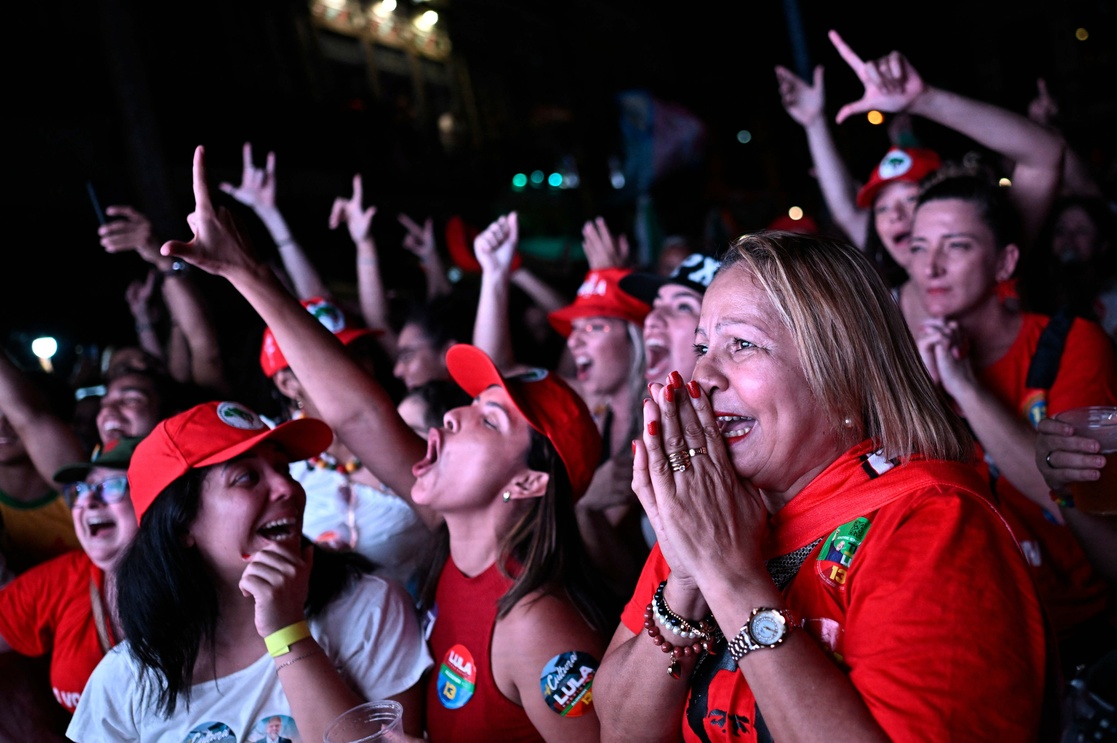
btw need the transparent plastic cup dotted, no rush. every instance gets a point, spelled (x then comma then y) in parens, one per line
(1098, 422)
(380, 721)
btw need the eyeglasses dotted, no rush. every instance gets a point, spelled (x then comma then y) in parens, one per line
(112, 490)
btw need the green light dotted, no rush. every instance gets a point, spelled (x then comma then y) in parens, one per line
(554, 180)
(519, 180)
(537, 177)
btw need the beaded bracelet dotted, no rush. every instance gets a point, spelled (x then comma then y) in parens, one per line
(686, 629)
(1063, 500)
(677, 652)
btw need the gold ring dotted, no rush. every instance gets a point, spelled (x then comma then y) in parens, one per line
(679, 460)
(695, 452)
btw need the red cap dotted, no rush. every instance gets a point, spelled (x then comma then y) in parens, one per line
(600, 295)
(329, 314)
(910, 164)
(549, 404)
(211, 433)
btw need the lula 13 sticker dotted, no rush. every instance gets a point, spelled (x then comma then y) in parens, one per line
(457, 677)
(566, 682)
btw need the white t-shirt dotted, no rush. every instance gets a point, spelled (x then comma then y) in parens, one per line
(389, 532)
(371, 634)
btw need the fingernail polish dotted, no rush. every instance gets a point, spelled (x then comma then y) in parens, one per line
(634, 446)
(669, 393)
(244, 555)
(653, 428)
(676, 380)
(693, 389)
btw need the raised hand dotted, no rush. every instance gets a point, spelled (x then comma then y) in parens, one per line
(495, 247)
(139, 295)
(351, 212)
(419, 239)
(891, 83)
(1043, 109)
(257, 185)
(804, 102)
(217, 246)
(601, 248)
(132, 231)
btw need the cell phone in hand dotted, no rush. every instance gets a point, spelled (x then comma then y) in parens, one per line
(101, 218)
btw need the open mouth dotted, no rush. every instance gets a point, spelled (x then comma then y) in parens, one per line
(734, 426)
(657, 359)
(99, 524)
(278, 530)
(582, 365)
(434, 443)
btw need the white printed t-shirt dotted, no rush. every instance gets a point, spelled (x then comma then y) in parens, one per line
(370, 632)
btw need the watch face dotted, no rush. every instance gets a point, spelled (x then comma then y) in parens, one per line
(767, 627)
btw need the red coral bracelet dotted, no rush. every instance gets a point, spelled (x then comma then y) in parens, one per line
(677, 652)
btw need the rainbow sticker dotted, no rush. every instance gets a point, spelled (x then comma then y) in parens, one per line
(457, 677)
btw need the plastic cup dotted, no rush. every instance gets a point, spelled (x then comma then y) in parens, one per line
(373, 721)
(1098, 422)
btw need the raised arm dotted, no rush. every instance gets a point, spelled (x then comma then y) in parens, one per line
(1077, 178)
(356, 407)
(50, 441)
(198, 357)
(806, 104)
(257, 190)
(892, 85)
(495, 248)
(370, 284)
(420, 241)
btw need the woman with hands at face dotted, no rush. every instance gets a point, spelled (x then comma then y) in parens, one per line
(230, 615)
(814, 508)
(979, 349)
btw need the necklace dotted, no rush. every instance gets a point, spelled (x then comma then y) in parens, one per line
(328, 462)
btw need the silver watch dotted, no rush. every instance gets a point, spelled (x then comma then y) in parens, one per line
(765, 628)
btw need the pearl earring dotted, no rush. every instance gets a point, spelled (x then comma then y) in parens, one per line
(507, 496)
(848, 422)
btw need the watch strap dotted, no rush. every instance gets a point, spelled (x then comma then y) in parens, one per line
(744, 643)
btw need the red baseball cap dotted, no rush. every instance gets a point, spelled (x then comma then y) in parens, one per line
(329, 314)
(910, 164)
(549, 404)
(211, 433)
(600, 295)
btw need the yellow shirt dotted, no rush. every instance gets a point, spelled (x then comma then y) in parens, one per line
(35, 531)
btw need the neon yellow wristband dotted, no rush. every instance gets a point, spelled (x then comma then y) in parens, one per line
(280, 642)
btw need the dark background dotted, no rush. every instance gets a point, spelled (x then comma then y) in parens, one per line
(119, 92)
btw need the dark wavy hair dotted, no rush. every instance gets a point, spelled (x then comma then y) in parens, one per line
(166, 599)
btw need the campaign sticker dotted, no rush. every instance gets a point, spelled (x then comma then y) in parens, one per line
(210, 732)
(836, 554)
(566, 683)
(457, 677)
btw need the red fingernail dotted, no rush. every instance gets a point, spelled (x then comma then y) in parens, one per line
(647, 400)
(669, 393)
(693, 389)
(650, 389)
(244, 555)
(676, 380)
(653, 428)
(634, 446)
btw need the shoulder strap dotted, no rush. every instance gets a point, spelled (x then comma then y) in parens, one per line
(1045, 361)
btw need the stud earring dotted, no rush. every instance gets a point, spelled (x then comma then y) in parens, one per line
(507, 496)
(848, 422)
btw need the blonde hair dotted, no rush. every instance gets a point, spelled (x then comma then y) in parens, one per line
(858, 356)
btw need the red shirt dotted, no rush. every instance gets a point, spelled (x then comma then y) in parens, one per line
(930, 608)
(48, 609)
(464, 704)
(1068, 584)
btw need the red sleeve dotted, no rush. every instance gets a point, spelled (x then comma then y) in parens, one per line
(1087, 370)
(655, 571)
(27, 606)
